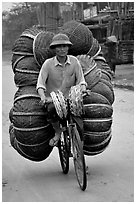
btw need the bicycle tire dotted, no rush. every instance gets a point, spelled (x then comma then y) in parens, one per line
(79, 159)
(63, 147)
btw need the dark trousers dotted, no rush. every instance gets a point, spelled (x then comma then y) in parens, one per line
(53, 117)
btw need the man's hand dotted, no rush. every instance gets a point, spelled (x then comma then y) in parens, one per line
(42, 101)
(48, 100)
(83, 88)
(45, 100)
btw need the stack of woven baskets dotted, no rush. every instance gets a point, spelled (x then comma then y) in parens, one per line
(80, 36)
(29, 130)
(97, 104)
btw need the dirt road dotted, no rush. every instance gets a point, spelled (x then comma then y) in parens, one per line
(110, 176)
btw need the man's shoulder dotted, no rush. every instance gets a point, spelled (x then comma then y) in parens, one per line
(73, 58)
(48, 61)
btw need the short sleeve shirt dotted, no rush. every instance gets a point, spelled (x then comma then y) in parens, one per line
(55, 76)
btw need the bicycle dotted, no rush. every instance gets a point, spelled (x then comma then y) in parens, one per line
(70, 140)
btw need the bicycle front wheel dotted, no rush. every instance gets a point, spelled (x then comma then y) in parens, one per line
(63, 147)
(79, 159)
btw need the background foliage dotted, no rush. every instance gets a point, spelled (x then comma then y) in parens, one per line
(23, 15)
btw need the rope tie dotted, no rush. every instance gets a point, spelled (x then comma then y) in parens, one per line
(23, 53)
(16, 62)
(27, 71)
(28, 114)
(31, 129)
(26, 96)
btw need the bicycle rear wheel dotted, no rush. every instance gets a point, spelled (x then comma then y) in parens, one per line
(79, 159)
(63, 147)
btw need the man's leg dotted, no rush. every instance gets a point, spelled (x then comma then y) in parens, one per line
(53, 119)
(55, 139)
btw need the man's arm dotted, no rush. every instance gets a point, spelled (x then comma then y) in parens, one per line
(41, 93)
(41, 83)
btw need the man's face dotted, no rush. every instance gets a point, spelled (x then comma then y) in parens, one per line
(62, 50)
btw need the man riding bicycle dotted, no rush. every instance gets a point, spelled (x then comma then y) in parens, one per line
(60, 73)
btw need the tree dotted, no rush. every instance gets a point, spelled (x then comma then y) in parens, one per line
(23, 15)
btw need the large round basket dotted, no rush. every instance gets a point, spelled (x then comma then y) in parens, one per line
(103, 89)
(96, 143)
(31, 32)
(91, 72)
(80, 36)
(95, 98)
(23, 45)
(26, 71)
(106, 70)
(97, 121)
(95, 49)
(41, 47)
(98, 111)
(31, 130)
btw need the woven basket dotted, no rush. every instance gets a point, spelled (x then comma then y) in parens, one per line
(108, 83)
(11, 115)
(41, 47)
(23, 45)
(80, 36)
(31, 129)
(91, 72)
(32, 152)
(95, 49)
(106, 75)
(31, 32)
(97, 111)
(26, 105)
(97, 120)
(15, 59)
(26, 71)
(95, 98)
(87, 63)
(96, 143)
(93, 77)
(106, 70)
(104, 90)
(97, 125)
(93, 138)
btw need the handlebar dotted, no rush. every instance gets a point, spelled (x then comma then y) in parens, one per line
(50, 99)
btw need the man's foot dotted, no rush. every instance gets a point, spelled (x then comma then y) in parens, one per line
(54, 141)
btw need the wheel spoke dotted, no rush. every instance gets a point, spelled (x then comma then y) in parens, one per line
(79, 161)
(63, 152)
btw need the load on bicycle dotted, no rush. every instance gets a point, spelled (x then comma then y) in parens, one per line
(30, 131)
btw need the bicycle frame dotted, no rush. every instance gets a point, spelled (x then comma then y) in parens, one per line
(72, 139)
